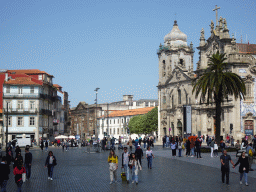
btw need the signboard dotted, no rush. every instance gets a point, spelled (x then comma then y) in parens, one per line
(248, 132)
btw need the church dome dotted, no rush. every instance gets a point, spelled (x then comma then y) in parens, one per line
(176, 37)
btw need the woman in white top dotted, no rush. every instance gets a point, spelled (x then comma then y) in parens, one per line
(149, 156)
(135, 164)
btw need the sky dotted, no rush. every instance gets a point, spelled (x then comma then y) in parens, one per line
(110, 44)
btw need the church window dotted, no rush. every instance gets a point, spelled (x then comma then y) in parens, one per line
(179, 96)
(181, 62)
(248, 89)
(164, 64)
(164, 99)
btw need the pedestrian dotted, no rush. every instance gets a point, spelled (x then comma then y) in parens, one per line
(222, 146)
(46, 145)
(209, 141)
(67, 145)
(224, 159)
(135, 165)
(192, 147)
(167, 141)
(9, 155)
(139, 154)
(164, 141)
(243, 168)
(18, 171)
(254, 142)
(207, 138)
(173, 147)
(28, 162)
(50, 163)
(203, 137)
(136, 143)
(17, 150)
(149, 156)
(130, 144)
(113, 166)
(232, 141)
(198, 148)
(17, 159)
(42, 145)
(250, 152)
(188, 148)
(212, 146)
(125, 162)
(140, 140)
(237, 146)
(215, 149)
(180, 148)
(4, 176)
(63, 144)
(113, 142)
(145, 142)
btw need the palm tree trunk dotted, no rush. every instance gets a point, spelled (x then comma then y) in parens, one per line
(218, 121)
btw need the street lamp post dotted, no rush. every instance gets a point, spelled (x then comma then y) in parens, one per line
(96, 125)
(6, 139)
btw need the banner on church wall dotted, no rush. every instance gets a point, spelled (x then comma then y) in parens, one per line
(187, 119)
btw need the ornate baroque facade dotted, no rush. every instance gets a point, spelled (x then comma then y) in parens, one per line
(175, 85)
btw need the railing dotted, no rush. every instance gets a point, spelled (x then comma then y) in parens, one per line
(21, 110)
(24, 95)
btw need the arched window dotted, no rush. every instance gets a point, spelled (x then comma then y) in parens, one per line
(163, 64)
(179, 96)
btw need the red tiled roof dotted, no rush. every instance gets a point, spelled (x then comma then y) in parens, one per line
(21, 81)
(132, 112)
(57, 86)
(246, 48)
(28, 71)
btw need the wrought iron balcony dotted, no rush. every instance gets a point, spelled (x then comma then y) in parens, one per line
(20, 96)
(21, 110)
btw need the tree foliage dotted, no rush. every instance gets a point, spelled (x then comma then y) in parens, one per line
(144, 124)
(216, 84)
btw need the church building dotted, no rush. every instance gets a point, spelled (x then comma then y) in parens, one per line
(179, 112)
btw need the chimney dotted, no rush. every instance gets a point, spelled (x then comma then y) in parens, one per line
(6, 77)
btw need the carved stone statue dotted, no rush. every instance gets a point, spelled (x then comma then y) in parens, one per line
(225, 24)
(212, 26)
(202, 33)
(220, 21)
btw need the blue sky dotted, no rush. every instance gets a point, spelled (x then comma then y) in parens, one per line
(107, 44)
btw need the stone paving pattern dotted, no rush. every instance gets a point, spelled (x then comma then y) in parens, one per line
(80, 171)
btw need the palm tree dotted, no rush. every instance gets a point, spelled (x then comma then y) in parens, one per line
(216, 84)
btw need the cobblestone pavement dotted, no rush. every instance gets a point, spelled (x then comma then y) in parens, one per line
(80, 171)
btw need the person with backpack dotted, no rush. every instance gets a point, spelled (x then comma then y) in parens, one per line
(250, 152)
(243, 168)
(18, 171)
(125, 162)
(4, 176)
(135, 166)
(50, 163)
(113, 165)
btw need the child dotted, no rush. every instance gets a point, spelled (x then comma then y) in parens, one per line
(135, 164)
(215, 149)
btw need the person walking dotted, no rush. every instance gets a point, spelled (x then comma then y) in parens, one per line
(198, 148)
(17, 150)
(188, 148)
(212, 147)
(28, 162)
(224, 159)
(173, 147)
(125, 162)
(232, 141)
(254, 142)
(139, 154)
(46, 145)
(237, 146)
(63, 144)
(130, 144)
(113, 166)
(67, 145)
(243, 168)
(18, 171)
(222, 146)
(145, 142)
(192, 148)
(149, 156)
(167, 141)
(164, 141)
(4, 176)
(42, 145)
(180, 148)
(50, 163)
(215, 151)
(136, 143)
(17, 159)
(135, 165)
(9, 155)
(250, 152)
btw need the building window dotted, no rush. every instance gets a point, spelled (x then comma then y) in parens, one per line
(20, 104)
(20, 121)
(9, 104)
(106, 121)
(127, 120)
(164, 99)
(110, 131)
(114, 131)
(118, 131)
(32, 90)
(123, 131)
(109, 121)
(179, 96)
(32, 104)
(118, 121)
(122, 120)
(20, 90)
(248, 89)
(32, 121)
(8, 90)
(40, 77)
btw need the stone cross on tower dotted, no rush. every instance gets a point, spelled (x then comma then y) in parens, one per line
(216, 9)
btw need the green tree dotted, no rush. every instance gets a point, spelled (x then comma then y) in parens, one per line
(146, 123)
(216, 84)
